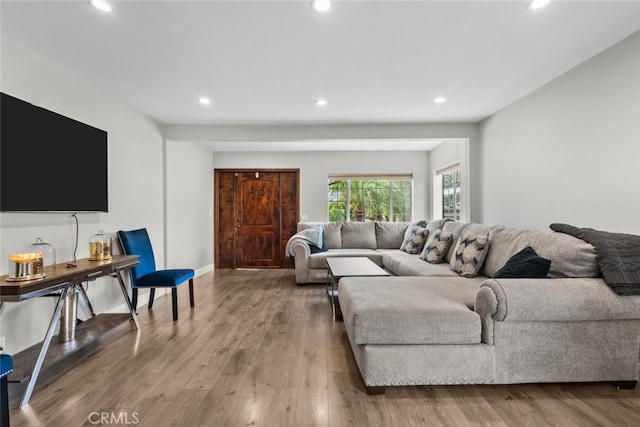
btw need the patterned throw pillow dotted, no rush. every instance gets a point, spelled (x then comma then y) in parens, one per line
(471, 250)
(437, 247)
(414, 239)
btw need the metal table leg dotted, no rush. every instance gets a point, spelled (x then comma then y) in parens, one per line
(83, 293)
(45, 347)
(132, 310)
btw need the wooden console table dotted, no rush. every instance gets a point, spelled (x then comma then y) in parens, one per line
(59, 280)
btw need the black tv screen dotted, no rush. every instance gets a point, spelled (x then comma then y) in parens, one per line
(49, 162)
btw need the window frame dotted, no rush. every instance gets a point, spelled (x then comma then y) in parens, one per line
(439, 192)
(349, 177)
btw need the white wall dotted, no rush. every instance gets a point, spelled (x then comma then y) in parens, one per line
(189, 177)
(570, 151)
(136, 190)
(315, 167)
(311, 204)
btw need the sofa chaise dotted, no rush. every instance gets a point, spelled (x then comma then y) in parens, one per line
(435, 323)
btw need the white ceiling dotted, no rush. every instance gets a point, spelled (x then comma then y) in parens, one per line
(265, 62)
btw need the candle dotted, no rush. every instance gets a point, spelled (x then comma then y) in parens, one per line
(26, 266)
(23, 258)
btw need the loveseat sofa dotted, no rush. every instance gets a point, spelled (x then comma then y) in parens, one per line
(437, 323)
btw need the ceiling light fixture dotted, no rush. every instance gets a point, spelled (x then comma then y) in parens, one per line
(321, 5)
(101, 5)
(321, 102)
(204, 101)
(439, 100)
(537, 4)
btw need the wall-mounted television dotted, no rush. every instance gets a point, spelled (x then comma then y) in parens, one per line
(49, 162)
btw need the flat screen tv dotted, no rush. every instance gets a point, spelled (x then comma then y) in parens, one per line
(49, 162)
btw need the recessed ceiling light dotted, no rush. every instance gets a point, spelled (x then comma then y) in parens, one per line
(321, 102)
(537, 4)
(439, 100)
(204, 101)
(321, 5)
(101, 5)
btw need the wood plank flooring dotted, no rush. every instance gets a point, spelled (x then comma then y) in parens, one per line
(258, 350)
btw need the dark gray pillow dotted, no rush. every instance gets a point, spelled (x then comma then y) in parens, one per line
(315, 249)
(525, 264)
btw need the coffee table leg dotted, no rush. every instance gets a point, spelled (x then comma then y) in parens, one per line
(337, 313)
(331, 292)
(333, 297)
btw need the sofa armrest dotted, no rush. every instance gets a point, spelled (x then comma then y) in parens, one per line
(301, 252)
(550, 300)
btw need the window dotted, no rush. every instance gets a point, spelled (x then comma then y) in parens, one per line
(370, 198)
(447, 192)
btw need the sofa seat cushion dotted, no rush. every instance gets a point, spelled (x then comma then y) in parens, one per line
(409, 310)
(403, 264)
(319, 260)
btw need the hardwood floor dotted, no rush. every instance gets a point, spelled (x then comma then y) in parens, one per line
(259, 350)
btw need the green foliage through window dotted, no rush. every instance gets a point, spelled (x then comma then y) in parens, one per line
(451, 194)
(369, 200)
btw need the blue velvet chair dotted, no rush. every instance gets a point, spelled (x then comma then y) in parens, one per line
(145, 275)
(6, 367)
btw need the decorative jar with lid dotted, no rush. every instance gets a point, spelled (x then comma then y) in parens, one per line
(47, 249)
(99, 247)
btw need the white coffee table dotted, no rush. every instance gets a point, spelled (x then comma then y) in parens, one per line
(339, 267)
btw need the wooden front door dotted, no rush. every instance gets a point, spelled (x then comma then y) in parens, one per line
(256, 213)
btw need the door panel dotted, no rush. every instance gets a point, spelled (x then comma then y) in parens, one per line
(256, 213)
(225, 214)
(258, 220)
(288, 212)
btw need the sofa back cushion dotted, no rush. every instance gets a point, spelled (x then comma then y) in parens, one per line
(455, 228)
(436, 224)
(332, 232)
(358, 235)
(570, 257)
(389, 235)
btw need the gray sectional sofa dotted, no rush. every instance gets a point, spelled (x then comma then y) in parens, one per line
(426, 324)
(358, 239)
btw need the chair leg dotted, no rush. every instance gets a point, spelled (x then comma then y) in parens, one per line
(191, 299)
(4, 402)
(152, 295)
(134, 299)
(174, 302)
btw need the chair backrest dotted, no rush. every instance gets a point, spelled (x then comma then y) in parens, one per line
(137, 242)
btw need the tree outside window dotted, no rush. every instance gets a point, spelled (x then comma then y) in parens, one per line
(372, 199)
(451, 194)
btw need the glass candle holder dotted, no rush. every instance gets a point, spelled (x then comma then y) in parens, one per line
(26, 266)
(100, 247)
(47, 249)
